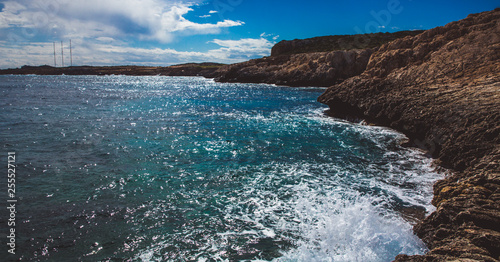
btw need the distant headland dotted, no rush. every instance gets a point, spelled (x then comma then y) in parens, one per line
(190, 69)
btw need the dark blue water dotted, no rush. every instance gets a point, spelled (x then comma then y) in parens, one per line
(122, 168)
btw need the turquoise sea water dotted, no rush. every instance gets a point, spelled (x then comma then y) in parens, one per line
(123, 168)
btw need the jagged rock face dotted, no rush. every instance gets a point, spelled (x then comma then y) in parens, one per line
(422, 85)
(318, 61)
(442, 88)
(312, 69)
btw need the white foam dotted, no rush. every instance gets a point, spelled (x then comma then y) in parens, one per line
(346, 227)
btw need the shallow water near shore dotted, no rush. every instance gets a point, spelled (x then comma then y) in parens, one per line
(186, 169)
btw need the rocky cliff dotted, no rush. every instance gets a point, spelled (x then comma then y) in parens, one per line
(337, 42)
(312, 69)
(442, 88)
(320, 61)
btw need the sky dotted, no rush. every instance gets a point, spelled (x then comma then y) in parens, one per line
(167, 32)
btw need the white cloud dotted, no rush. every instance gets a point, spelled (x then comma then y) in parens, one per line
(264, 35)
(102, 32)
(8, 15)
(247, 45)
(109, 51)
(105, 39)
(157, 20)
(243, 49)
(213, 12)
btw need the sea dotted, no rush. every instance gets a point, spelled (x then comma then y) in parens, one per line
(156, 168)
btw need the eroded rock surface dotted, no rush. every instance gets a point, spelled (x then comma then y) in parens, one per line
(319, 61)
(442, 88)
(311, 69)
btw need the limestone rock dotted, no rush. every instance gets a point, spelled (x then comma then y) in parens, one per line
(311, 69)
(442, 88)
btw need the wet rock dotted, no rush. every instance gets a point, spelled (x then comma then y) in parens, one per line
(442, 88)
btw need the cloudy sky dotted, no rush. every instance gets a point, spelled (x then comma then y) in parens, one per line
(166, 32)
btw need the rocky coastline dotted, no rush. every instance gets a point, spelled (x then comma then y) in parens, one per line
(308, 69)
(441, 88)
(319, 61)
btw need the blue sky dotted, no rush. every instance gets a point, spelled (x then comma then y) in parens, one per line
(165, 32)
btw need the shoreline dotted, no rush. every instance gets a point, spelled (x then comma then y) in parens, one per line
(411, 219)
(440, 88)
(449, 172)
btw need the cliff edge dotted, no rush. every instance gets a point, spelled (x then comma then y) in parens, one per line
(319, 61)
(442, 89)
(337, 42)
(311, 69)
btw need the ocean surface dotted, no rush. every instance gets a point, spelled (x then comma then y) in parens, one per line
(150, 168)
